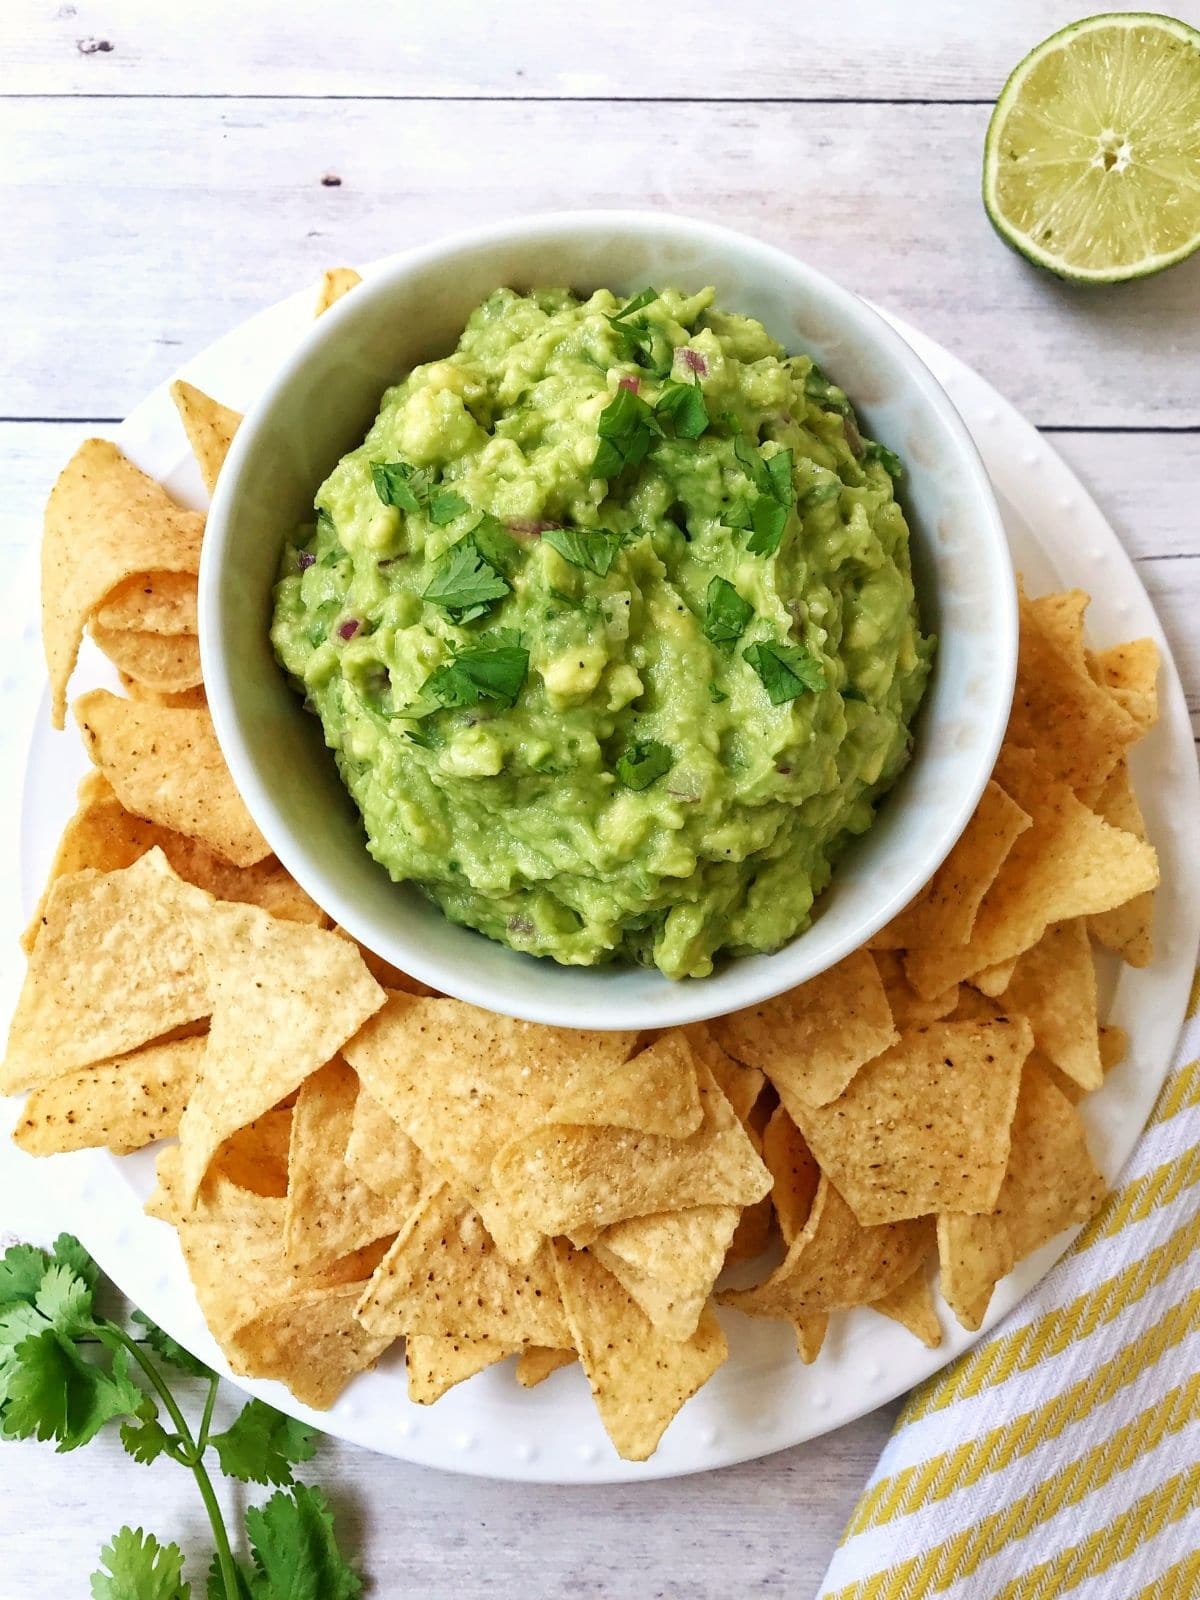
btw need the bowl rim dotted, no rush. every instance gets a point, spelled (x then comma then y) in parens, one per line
(679, 1002)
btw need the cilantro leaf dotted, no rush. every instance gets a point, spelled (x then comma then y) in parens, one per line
(146, 1439)
(463, 584)
(394, 485)
(495, 544)
(68, 1252)
(874, 451)
(53, 1393)
(593, 549)
(169, 1349)
(648, 347)
(444, 506)
(65, 1300)
(725, 612)
(787, 670)
(779, 476)
(739, 514)
(296, 1555)
(827, 395)
(134, 1566)
(484, 672)
(626, 427)
(769, 521)
(752, 463)
(684, 404)
(263, 1444)
(22, 1268)
(716, 695)
(643, 764)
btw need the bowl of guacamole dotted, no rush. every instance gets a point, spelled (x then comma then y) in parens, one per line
(610, 634)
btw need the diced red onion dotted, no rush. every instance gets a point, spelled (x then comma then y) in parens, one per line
(305, 559)
(784, 772)
(693, 360)
(347, 630)
(529, 527)
(632, 384)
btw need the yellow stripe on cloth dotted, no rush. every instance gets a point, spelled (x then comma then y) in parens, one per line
(993, 1363)
(943, 1474)
(945, 1563)
(1137, 1200)
(1182, 1091)
(1143, 1520)
(1180, 1582)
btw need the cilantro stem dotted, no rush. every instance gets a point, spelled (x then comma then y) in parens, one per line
(193, 1454)
(206, 1419)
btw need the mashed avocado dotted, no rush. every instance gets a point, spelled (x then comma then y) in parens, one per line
(610, 625)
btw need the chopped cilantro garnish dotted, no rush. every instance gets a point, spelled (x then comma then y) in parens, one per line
(787, 670)
(495, 544)
(716, 695)
(684, 404)
(464, 584)
(444, 506)
(827, 395)
(627, 427)
(752, 463)
(725, 612)
(395, 486)
(484, 672)
(648, 347)
(874, 451)
(769, 520)
(593, 549)
(642, 764)
(767, 513)
(739, 514)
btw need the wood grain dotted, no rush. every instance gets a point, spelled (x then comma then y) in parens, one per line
(700, 48)
(131, 224)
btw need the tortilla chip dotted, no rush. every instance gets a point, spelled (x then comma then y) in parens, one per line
(463, 1082)
(653, 1092)
(926, 1126)
(975, 1253)
(559, 1179)
(335, 282)
(1059, 618)
(209, 425)
(794, 1173)
(993, 981)
(1114, 1046)
(810, 1335)
(639, 1378)
(669, 1262)
(1126, 928)
(380, 1154)
(1130, 674)
(538, 1361)
(908, 1008)
(256, 1156)
(1077, 728)
(167, 766)
(834, 1262)
(1054, 985)
(385, 974)
(285, 998)
(186, 699)
(105, 521)
(1069, 864)
(121, 1105)
(911, 1305)
(444, 1275)
(436, 1364)
(312, 1342)
(114, 966)
(1051, 1184)
(811, 1041)
(165, 662)
(103, 835)
(945, 911)
(741, 1085)
(330, 1211)
(151, 602)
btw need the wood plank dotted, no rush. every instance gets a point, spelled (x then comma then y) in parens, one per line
(707, 48)
(137, 228)
(1145, 484)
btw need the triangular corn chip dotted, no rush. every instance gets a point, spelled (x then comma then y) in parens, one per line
(285, 998)
(1130, 674)
(639, 1378)
(167, 766)
(151, 602)
(926, 1126)
(653, 1091)
(1054, 985)
(668, 1262)
(165, 662)
(794, 1174)
(812, 1040)
(911, 1305)
(114, 967)
(538, 1361)
(209, 425)
(1127, 927)
(121, 1105)
(335, 282)
(380, 1154)
(908, 1008)
(435, 1364)
(105, 521)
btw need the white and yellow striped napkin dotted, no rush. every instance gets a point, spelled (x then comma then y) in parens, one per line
(1061, 1456)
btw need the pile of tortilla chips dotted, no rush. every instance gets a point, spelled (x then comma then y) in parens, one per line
(358, 1161)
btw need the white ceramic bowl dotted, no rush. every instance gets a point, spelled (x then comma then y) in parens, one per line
(320, 406)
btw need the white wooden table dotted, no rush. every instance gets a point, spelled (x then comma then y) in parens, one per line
(167, 169)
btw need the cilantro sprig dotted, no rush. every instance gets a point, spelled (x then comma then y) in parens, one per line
(787, 670)
(593, 549)
(66, 1371)
(412, 489)
(644, 763)
(464, 583)
(765, 515)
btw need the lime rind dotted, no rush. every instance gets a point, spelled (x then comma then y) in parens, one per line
(1177, 178)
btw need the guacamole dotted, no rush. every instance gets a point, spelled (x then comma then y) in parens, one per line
(610, 625)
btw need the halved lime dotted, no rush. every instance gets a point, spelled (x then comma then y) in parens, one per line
(1091, 166)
